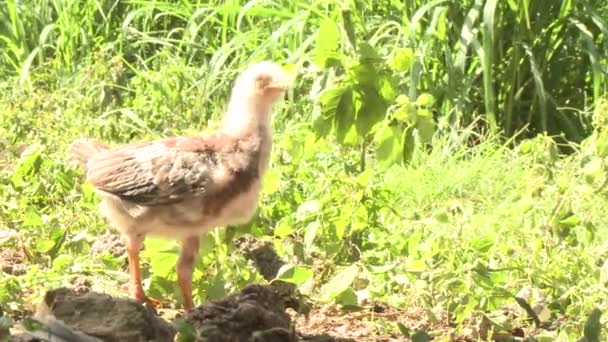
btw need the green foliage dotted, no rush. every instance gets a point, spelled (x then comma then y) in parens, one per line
(593, 327)
(358, 100)
(294, 274)
(384, 184)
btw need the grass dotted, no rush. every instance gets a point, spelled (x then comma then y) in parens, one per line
(422, 205)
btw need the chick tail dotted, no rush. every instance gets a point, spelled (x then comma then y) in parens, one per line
(82, 150)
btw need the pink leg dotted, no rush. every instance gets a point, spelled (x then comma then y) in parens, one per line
(185, 267)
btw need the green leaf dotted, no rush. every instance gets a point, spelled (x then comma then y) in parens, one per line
(271, 181)
(340, 282)
(405, 331)
(308, 209)
(44, 245)
(425, 100)
(341, 223)
(347, 298)
(32, 325)
(321, 124)
(412, 243)
(294, 274)
(217, 287)
(109, 261)
(364, 177)
(604, 274)
(441, 215)
(382, 268)
(58, 235)
(416, 266)
(28, 164)
(421, 336)
(283, 230)
(593, 326)
(163, 255)
(32, 218)
(328, 43)
(406, 111)
(601, 144)
(368, 55)
(360, 219)
(349, 27)
(409, 143)
(163, 263)
(389, 145)
(88, 193)
(363, 74)
(571, 221)
(345, 120)
(329, 101)
(62, 262)
(402, 59)
(593, 170)
(526, 146)
(373, 109)
(425, 125)
(186, 330)
(388, 88)
(207, 246)
(311, 233)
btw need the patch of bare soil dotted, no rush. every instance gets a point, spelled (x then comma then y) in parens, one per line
(376, 323)
(12, 260)
(108, 242)
(379, 323)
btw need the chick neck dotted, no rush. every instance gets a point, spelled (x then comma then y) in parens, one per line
(247, 115)
(248, 120)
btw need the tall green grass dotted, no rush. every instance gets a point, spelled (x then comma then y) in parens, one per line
(522, 63)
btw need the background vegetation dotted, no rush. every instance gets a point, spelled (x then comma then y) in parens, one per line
(418, 159)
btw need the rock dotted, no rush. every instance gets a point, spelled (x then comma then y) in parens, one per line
(52, 330)
(256, 314)
(262, 255)
(24, 338)
(109, 319)
(266, 260)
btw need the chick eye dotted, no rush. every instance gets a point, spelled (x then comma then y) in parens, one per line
(262, 81)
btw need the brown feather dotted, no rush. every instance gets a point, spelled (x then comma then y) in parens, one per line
(82, 150)
(172, 170)
(155, 173)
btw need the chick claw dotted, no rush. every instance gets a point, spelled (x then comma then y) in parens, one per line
(141, 297)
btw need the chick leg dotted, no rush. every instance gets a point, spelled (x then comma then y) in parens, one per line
(133, 244)
(185, 267)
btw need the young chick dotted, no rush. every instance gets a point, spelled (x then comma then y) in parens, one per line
(182, 187)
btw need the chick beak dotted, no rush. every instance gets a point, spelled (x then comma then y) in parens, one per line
(277, 86)
(281, 84)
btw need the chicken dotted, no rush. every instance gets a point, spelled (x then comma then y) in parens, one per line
(183, 187)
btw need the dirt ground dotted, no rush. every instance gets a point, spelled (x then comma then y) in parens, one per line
(261, 313)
